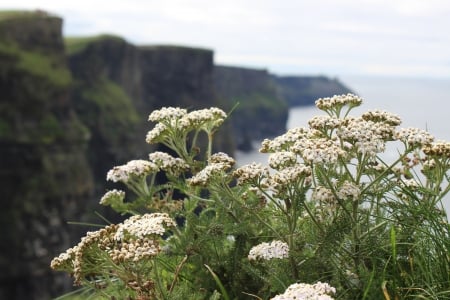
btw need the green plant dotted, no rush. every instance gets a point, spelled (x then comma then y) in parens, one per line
(329, 210)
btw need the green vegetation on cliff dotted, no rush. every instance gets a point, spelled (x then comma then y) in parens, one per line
(46, 67)
(106, 107)
(78, 44)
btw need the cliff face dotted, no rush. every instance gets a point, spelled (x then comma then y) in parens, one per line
(45, 178)
(117, 85)
(261, 111)
(305, 90)
(106, 80)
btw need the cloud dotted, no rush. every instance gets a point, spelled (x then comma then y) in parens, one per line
(346, 36)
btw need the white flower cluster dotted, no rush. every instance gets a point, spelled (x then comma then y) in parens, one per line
(382, 116)
(318, 150)
(72, 259)
(282, 159)
(290, 175)
(349, 190)
(114, 196)
(168, 163)
(438, 148)
(324, 122)
(141, 226)
(134, 250)
(338, 101)
(323, 195)
(284, 141)
(221, 157)
(134, 168)
(173, 120)
(369, 137)
(304, 291)
(251, 173)
(267, 251)
(167, 113)
(414, 136)
(205, 176)
(206, 119)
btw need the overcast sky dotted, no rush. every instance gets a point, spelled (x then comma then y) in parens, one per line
(331, 37)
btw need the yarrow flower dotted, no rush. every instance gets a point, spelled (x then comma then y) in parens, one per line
(438, 148)
(168, 163)
(157, 134)
(338, 101)
(323, 195)
(349, 190)
(112, 197)
(318, 150)
(251, 173)
(282, 159)
(382, 116)
(206, 119)
(304, 291)
(268, 251)
(221, 157)
(133, 169)
(284, 141)
(72, 259)
(134, 250)
(205, 176)
(367, 136)
(141, 226)
(167, 113)
(324, 122)
(414, 136)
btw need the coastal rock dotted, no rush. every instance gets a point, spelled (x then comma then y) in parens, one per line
(260, 111)
(45, 178)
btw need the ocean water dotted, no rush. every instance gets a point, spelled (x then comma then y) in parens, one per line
(420, 103)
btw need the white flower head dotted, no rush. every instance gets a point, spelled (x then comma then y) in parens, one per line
(338, 101)
(251, 173)
(168, 163)
(205, 176)
(349, 190)
(132, 169)
(221, 157)
(414, 136)
(282, 159)
(285, 141)
(268, 251)
(304, 291)
(167, 114)
(141, 226)
(114, 196)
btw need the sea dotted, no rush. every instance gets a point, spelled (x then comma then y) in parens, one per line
(420, 103)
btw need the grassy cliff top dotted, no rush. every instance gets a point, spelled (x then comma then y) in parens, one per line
(16, 14)
(78, 43)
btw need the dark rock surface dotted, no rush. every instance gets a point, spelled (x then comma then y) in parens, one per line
(45, 177)
(261, 111)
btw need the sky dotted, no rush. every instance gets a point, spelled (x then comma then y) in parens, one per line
(402, 38)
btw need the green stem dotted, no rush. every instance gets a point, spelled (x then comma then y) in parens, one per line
(162, 291)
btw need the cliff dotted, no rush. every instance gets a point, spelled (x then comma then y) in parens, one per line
(45, 178)
(305, 90)
(261, 111)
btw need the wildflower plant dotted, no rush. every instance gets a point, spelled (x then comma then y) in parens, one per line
(329, 216)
